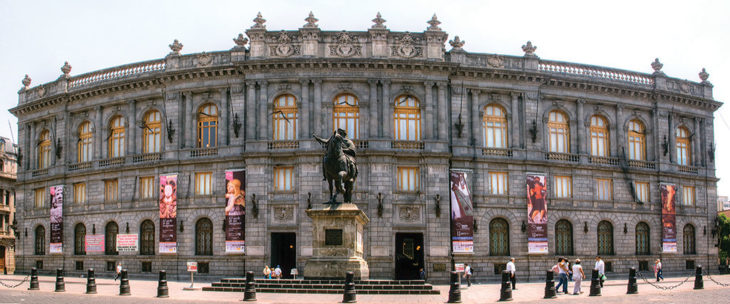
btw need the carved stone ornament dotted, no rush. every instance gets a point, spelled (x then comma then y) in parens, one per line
(704, 75)
(66, 69)
(409, 213)
(378, 22)
(240, 41)
(406, 49)
(657, 66)
(283, 213)
(457, 44)
(176, 47)
(259, 22)
(41, 91)
(529, 49)
(345, 46)
(284, 47)
(204, 59)
(26, 82)
(495, 61)
(434, 24)
(311, 21)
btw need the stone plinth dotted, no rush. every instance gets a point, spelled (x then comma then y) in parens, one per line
(335, 253)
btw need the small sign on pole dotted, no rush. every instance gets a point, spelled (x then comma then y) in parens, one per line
(459, 268)
(294, 272)
(192, 268)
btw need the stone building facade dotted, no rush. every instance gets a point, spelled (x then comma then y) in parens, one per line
(605, 137)
(8, 168)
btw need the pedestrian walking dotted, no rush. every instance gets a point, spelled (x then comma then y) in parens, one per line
(267, 272)
(277, 272)
(118, 271)
(511, 269)
(601, 267)
(578, 276)
(467, 274)
(658, 270)
(563, 276)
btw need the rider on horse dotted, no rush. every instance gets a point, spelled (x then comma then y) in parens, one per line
(348, 147)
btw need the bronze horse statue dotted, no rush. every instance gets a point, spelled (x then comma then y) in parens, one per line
(339, 166)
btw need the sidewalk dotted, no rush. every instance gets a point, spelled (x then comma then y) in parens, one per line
(478, 293)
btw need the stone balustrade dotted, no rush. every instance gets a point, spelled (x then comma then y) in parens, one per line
(581, 70)
(117, 73)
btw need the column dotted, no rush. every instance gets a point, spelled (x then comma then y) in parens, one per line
(132, 121)
(621, 143)
(31, 147)
(373, 103)
(263, 110)
(581, 127)
(655, 135)
(443, 111)
(387, 110)
(189, 120)
(304, 131)
(696, 144)
(223, 126)
(98, 134)
(428, 121)
(475, 121)
(67, 133)
(514, 129)
(317, 119)
(671, 137)
(250, 124)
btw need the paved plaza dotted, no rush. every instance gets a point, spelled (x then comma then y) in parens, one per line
(144, 291)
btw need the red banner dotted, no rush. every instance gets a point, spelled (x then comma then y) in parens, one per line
(168, 213)
(537, 237)
(669, 220)
(235, 211)
(462, 214)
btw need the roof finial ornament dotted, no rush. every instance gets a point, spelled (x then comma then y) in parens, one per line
(529, 49)
(457, 44)
(26, 82)
(434, 22)
(259, 22)
(176, 46)
(657, 66)
(240, 41)
(378, 22)
(311, 21)
(704, 75)
(66, 69)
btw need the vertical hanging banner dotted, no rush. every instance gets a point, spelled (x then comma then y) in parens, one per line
(56, 219)
(537, 237)
(462, 214)
(235, 211)
(168, 213)
(669, 220)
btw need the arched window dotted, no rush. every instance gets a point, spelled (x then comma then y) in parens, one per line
(80, 239)
(44, 150)
(40, 240)
(110, 238)
(204, 237)
(84, 145)
(559, 132)
(498, 237)
(605, 238)
(407, 118)
(116, 137)
(494, 123)
(208, 126)
(637, 140)
(346, 115)
(285, 117)
(642, 239)
(689, 239)
(599, 136)
(151, 136)
(684, 153)
(563, 238)
(147, 238)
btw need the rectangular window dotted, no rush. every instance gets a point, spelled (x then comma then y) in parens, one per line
(498, 183)
(203, 183)
(146, 266)
(79, 265)
(603, 189)
(642, 192)
(563, 186)
(111, 190)
(146, 187)
(110, 265)
(40, 195)
(688, 196)
(408, 179)
(80, 193)
(283, 178)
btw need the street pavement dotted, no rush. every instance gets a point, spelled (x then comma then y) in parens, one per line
(144, 291)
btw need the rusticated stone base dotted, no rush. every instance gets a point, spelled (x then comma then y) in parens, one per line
(330, 267)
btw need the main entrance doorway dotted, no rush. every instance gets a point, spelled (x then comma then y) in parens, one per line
(408, 255)
(284, 252)
(2, 259)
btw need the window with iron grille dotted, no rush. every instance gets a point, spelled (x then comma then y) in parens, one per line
(563, 238)
(605, 238)
(498, 237)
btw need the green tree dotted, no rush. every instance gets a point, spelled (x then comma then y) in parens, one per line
(724, 234)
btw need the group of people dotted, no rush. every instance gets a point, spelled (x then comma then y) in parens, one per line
(275, 273)
(574, 272)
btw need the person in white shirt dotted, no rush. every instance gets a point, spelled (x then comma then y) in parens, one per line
(563, 276)
(467, 274)
(511, 269)
(578, 276)
(277, 272)
(601, 267)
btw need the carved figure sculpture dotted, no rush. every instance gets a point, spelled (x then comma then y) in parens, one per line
(338, 163)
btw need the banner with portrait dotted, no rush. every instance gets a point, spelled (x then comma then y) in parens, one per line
(168, 214)
(668, 193)
(235, 211)
(56, 219)
(462, 214)
(537, 228)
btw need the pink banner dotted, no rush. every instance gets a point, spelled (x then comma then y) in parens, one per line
(462, 214)
(537, 237)
(168, 214)
(56, 219)
(235, 211)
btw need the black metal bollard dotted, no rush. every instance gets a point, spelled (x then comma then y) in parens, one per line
(124, 286)
(249, 294)
(455, 289)
(349, 295)
(699, 284)
(91, 282)
(505, 293)
(633, 288)
(162, 290)
(550, 285)
(595, 284)
(33, 279)
(60, 285)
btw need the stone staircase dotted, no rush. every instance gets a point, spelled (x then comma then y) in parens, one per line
(329, 286)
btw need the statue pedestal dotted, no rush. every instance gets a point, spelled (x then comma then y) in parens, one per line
(337, 244)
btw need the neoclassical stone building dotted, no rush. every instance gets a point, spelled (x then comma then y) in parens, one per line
(604, 138)
(8, 167)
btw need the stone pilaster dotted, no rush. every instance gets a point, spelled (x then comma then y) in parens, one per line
(387, 110)
(475, 121)
(250, 123)
(98, 134)
(263, 110)
(696, 143)
(132, 122)
(581, 127)
(189, 133)
(515, 121)
(304, 131)
(621, 131)
(224, 127)
(428, 122)
(373, 108)
(317, 106)
(442, 112)
(671, 132)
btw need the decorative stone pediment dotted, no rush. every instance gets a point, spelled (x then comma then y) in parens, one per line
(345, 46)
(407, 47)
(284, 46)
(283, 214)
(204, 59)
(495, 62)
(409, 214)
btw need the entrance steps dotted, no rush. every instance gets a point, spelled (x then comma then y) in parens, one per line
(329, 286)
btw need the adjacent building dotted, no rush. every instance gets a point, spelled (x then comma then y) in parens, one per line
(8, 167)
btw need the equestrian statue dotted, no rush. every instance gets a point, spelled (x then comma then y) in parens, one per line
(338, 165)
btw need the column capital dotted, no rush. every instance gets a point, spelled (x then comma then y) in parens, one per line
(475, 91)
(428, 84)
(581, 101)
(385, 81)
(317, 81)
(441, 84)
(223, 90)
(263, 83)
(372, 82)
(304, 82)
(515, 94)
(250, 83)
